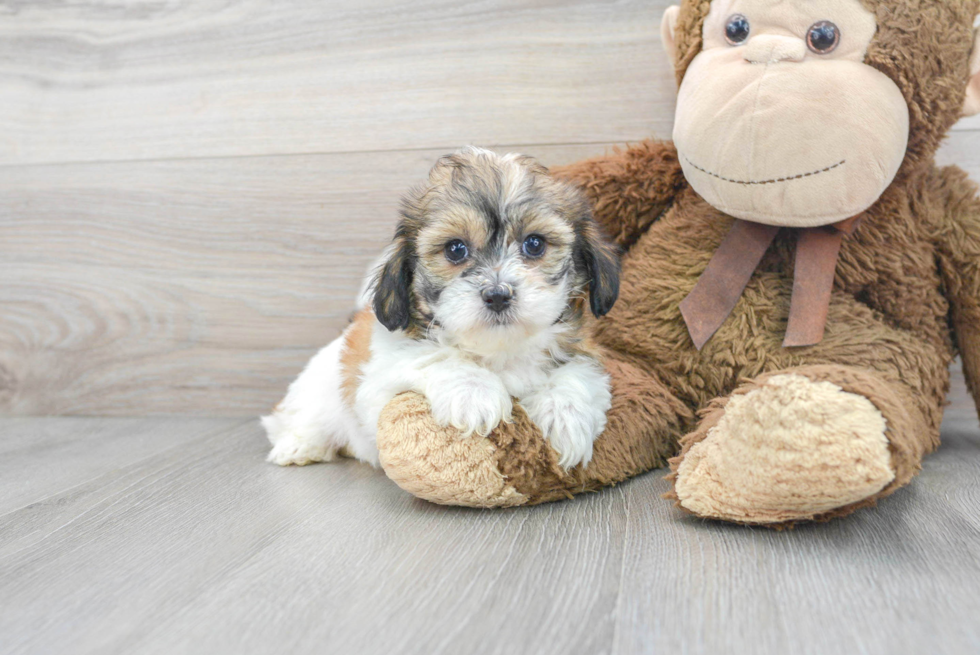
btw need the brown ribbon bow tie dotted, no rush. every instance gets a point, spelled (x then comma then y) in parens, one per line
(730, 269)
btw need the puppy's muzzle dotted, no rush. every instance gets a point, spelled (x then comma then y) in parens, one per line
(497, 297)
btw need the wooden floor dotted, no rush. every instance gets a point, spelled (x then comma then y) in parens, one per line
(172, 535)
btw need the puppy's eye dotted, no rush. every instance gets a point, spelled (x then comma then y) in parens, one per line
(534, 246)
(456, 251)
(823, 37)
(737, 29)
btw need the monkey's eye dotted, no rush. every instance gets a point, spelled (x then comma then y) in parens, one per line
(737, 29)
(534, 246)
(822, 37)
(456, 251)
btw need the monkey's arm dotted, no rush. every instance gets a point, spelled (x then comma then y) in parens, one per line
(959, 243)
(629, 189)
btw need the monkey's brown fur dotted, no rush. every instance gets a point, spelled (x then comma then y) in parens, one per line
(906, 296)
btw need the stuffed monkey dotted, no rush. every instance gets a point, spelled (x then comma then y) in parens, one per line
(797, 273)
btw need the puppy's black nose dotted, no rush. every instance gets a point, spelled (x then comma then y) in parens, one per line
(497, 297)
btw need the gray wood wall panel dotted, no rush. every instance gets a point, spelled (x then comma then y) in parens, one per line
(190, 192)
(192, 286)
(962, 149)
(89, 81)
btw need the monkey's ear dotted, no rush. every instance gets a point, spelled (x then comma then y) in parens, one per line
(972, 104)
(668, 28)
(600, 262)
(393, 288)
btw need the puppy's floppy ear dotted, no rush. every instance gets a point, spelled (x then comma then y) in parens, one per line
(393, 285)
(599, 260)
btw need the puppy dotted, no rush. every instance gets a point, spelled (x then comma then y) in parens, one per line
(484, 295)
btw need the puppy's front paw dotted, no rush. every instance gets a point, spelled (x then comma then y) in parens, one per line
(470, 402)
(570, 427)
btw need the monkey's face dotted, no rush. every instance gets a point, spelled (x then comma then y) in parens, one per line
(780, 121)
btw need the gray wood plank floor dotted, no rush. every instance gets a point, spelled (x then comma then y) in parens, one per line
(174, 536)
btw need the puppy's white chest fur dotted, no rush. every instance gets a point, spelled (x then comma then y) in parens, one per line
(335, 403)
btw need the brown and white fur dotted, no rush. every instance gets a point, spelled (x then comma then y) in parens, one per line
(464, 310)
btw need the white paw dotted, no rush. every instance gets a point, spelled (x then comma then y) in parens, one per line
(472, 401)
(570, 427)
(291, 449)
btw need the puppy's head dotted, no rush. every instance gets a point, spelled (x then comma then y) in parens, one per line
(491, 246)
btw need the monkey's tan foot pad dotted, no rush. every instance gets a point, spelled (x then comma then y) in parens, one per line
(515, 465)
(789, 450)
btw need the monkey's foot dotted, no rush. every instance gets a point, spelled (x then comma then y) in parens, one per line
(783, 450)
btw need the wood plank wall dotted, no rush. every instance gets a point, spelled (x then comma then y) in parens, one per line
(190, 191)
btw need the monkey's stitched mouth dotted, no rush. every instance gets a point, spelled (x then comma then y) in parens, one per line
(773, 181)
